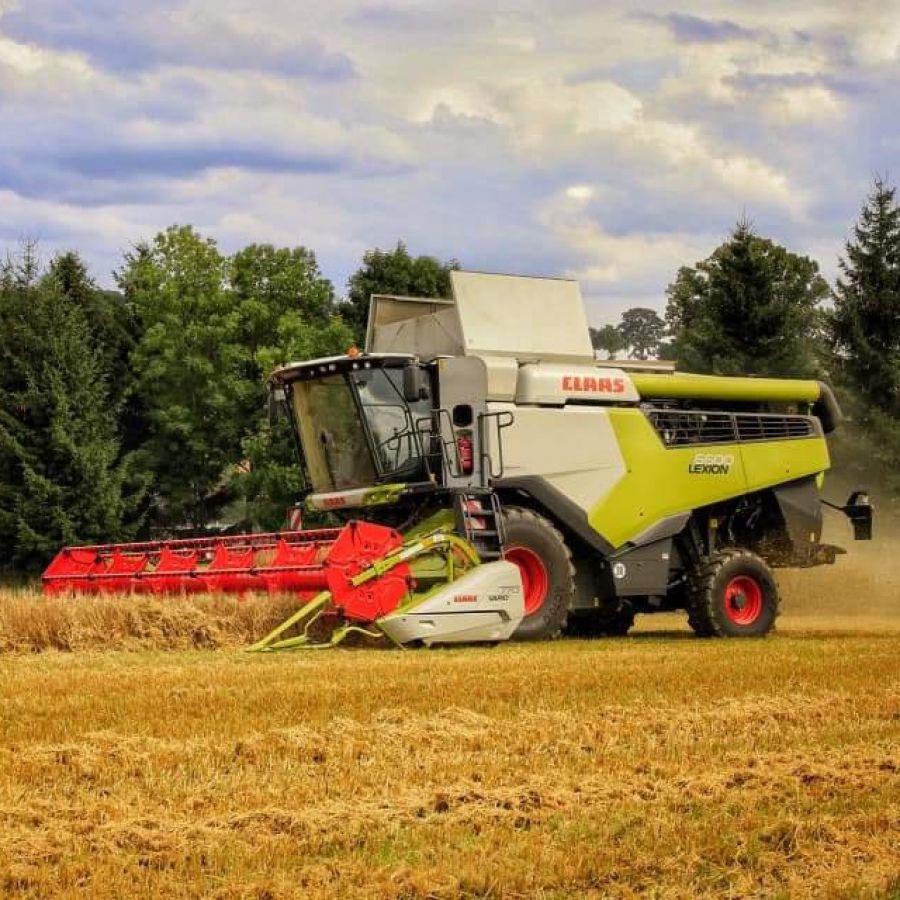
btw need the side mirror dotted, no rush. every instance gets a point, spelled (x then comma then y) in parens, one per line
(415, 384)
(276, 399)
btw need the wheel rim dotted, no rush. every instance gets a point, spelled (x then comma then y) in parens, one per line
(535, 578)
(743, 600)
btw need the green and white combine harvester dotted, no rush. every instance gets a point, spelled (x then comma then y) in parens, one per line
(497, 482)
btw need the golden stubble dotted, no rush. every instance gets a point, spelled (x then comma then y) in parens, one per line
(656, 765)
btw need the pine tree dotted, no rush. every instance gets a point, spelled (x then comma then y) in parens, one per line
(63, 478)
(114, 326)
(115, 332)
(750, 308)
(865, 324)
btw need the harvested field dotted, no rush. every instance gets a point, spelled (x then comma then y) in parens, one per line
(655, 765)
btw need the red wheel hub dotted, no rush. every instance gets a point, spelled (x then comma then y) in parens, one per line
(743, 600)
(535, 578)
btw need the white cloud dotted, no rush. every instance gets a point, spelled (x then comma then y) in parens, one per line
(33, 68)
(678, 157)
(473, 102)
(753, 179)
(813, 103)
(601, 106)
(879, 39)
(579, 192)
(703, 71)
(602, 258)
(556, 137)
(20, 57)
(536, 112)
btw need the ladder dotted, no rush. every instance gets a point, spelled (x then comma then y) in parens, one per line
(480, 520)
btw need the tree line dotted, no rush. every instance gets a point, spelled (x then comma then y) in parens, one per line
(141, 410)
(752, 307)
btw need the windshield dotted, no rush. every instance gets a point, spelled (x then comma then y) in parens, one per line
(392, 422)
(334, 444)
(340, 453)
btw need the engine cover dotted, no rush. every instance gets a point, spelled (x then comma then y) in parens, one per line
(485, 604)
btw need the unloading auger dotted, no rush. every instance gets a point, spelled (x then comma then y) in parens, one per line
(496, 481)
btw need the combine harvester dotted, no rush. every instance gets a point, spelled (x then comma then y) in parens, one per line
(497, 482)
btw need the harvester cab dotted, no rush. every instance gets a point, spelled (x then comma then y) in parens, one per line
(486, 478)
(385, 429)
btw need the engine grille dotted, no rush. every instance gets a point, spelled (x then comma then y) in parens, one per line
(681, 428)
(772, 428)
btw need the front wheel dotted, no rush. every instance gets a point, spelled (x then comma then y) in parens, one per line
(732, 594)
(535, 545)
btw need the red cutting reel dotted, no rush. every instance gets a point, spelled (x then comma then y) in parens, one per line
(302, 562)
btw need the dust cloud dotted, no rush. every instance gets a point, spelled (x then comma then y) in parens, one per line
(863, 584)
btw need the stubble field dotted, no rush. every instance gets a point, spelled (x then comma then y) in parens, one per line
(655, 765)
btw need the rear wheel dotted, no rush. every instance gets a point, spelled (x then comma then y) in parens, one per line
(732, 594)
(536, 546)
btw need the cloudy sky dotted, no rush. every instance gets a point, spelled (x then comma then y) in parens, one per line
(611, 142)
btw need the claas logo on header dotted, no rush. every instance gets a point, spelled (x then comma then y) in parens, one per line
(589, 384)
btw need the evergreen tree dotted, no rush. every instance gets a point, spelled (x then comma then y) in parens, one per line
(63, 478)
(750, 308)
(393, 272)
(113, 325)
(115, 332)
(865, 325)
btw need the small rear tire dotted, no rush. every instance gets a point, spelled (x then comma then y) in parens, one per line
(536, 546)
(732, 594)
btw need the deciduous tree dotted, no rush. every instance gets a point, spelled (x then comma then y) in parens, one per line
(642, 329)
(607, 339)
(214, 328)
(188, 370)
(285, 311)
(393, 272)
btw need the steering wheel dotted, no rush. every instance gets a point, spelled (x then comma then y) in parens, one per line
(395, 439)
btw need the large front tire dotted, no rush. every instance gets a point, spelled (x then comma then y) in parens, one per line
(536, 546)
(732, 594)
